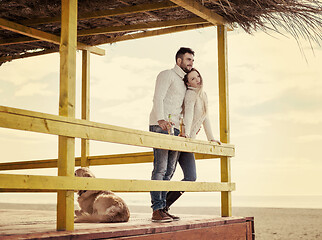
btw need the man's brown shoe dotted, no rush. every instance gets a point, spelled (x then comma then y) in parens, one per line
(175, 218)
(160, 216)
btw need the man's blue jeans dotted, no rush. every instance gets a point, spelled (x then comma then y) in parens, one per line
(164, 165)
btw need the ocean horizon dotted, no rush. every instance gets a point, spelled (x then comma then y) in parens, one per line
(187, 200)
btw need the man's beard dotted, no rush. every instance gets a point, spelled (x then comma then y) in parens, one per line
(186, 69)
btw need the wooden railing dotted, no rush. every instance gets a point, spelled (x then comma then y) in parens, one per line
(20, 119)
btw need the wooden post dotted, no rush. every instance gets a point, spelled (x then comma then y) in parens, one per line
(226, 209)
(85, 105)
(66, 145)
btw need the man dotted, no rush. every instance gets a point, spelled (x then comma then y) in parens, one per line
(168, 99)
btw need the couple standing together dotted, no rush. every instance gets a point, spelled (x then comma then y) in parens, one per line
(179, 92)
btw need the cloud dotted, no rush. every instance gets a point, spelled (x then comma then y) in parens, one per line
(245, 125)
(20, 72)
(285, 102)
(132, 114)
(301, 116)
(122, 90)
(124, 78)
(309, 138)
(33, 88)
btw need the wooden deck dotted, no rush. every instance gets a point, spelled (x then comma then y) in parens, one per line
(36, 224)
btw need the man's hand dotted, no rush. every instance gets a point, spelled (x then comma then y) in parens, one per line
(165, 125)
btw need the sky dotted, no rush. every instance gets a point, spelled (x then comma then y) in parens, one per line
(274, 100)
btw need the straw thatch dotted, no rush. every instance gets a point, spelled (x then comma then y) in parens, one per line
(300, 18)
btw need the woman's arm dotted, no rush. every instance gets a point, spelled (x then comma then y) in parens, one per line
(207, 125)
(208, 131)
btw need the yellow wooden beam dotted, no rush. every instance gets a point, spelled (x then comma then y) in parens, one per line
(66, 144)
(157, 32)
(128, 158)
(85, 104)
(226, 206)
(71, 183)
(64, 126)
(26, 55)
(35, 164)
(43, 36)
(18, 40)
(184, 23)
(223, 84)
(106, 13)
(65, 199)
(143, 26)
(27, 31)
(196, 8)
(126, 37)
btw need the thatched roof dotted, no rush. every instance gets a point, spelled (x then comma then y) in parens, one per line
(301, 18)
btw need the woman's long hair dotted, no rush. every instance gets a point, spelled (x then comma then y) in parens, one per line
(200, 91)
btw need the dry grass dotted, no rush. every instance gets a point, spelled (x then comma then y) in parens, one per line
(300, 18)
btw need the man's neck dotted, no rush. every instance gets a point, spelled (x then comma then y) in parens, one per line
(179, 71)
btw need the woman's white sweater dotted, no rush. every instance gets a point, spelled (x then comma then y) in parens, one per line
(196, 113)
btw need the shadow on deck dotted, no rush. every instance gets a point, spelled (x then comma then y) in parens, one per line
(41, 224)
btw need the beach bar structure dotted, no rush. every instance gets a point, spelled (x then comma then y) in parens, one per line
(32, 28)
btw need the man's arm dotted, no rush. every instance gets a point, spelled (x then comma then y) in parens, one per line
(165, 125)
(162, 85)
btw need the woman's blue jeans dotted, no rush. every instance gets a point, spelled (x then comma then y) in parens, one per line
(188, 165)
(164, 165)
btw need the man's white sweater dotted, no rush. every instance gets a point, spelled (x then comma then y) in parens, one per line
(168, 96)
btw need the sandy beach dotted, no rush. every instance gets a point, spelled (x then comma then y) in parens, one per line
(270, 223)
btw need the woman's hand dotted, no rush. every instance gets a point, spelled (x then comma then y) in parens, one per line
(216, 141)
(182, 135)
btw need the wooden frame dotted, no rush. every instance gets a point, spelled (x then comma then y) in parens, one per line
(43, 36)
(131, 36)
(157, 32)
(71, 183)
(66, 144)
(201, 11)
(85, 104)
(68, 128)
(113, 159)
(106, 30)
(226, 208)
(143, 26)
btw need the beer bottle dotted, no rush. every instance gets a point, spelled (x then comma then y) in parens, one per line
(182, 127)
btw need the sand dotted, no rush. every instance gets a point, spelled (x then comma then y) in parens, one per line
(270, 223)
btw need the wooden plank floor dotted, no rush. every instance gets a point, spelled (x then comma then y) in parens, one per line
(36, 224)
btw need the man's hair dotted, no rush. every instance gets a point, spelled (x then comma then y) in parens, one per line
(182, 51)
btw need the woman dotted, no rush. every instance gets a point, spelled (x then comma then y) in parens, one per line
(195, 115)
(196, 107)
